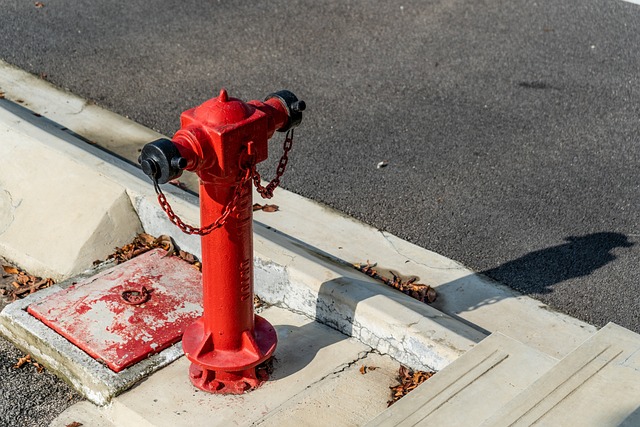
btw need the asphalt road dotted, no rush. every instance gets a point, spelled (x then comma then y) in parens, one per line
(29, 398)
(511, 129)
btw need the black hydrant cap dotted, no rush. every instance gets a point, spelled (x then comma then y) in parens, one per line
(294, 107)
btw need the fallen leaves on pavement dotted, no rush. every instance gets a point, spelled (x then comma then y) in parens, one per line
(409, 380)
(9, 269)
(144, 242)
(265, 208)
(39, 4)
(28, 360)
(424, 293)
(75, 424)
(16, 283)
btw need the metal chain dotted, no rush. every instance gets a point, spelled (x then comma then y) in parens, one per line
(267, 191)
(228, 208)
(246, 174)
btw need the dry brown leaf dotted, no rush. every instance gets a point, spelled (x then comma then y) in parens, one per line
(187, 257)
(146, 239)
(166, 243)
(266, 208)
(22, 283)
(39, 4)
(74, 424)
(179, 184)
(257, 302)
(10, 269)
(22, 361)
(1, 95)
(364, 369)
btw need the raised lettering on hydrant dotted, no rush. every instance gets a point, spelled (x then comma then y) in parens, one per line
(222, 140)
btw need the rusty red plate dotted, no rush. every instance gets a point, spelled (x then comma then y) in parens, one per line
(113, 319)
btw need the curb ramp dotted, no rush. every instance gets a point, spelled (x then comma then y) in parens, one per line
(502, 382)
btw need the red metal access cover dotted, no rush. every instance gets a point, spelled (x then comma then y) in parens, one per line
(94, 316)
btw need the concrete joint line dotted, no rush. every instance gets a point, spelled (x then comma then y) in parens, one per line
(387, 237)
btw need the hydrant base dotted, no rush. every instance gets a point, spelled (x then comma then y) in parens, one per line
(221, 382)
(228, 371)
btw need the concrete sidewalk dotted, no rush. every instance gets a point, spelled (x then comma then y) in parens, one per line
(331, 319)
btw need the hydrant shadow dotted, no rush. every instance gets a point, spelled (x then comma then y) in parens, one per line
(535, 273)
(322, 340)
(309, 347)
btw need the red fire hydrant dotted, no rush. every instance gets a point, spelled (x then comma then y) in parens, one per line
(222, 140)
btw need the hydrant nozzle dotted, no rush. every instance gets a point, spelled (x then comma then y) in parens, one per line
(161, 160)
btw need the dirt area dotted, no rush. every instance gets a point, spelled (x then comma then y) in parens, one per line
(29, 395)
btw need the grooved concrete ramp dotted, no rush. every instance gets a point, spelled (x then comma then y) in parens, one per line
(502, 382)
(596, 385)
(472, 388)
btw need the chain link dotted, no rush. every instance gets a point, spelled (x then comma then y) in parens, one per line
(246, 175)
(267, 191)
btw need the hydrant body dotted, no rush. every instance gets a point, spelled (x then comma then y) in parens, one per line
(220, 140)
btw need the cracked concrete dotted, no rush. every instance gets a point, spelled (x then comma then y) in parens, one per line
(361, 307)
(360, 357)
(7, 209)
(338, 393)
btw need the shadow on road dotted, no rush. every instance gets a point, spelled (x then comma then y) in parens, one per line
(535, 273)
(538, 271)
